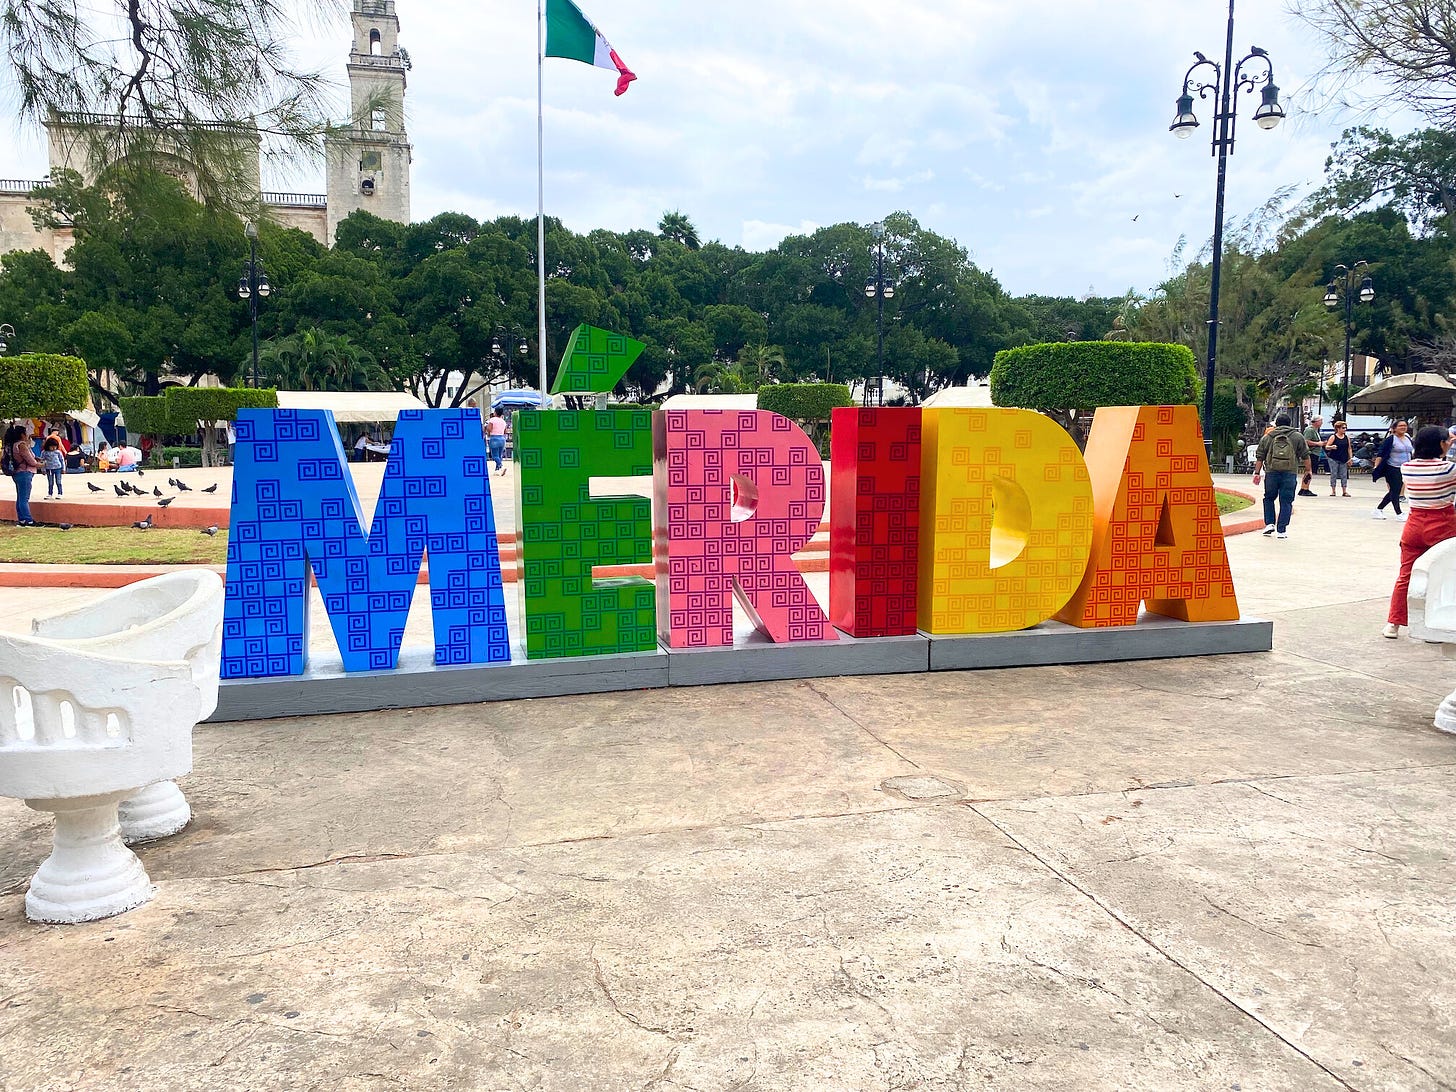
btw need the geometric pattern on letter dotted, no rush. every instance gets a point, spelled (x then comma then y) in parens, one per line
(1145, 460)
(1005, 520)
(562, 531)
(874, 521)
(595, 361)
(738, 493)
(294, 506)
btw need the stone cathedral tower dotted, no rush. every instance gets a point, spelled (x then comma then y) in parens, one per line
(369, 155)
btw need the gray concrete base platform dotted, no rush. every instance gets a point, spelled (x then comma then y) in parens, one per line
(755, 658)
(417, 682)
(327, 688)
(1153, 638)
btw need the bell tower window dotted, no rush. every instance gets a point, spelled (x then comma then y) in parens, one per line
(377, 119)
(376, 48)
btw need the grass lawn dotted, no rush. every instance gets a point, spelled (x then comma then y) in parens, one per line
(110, 546)
(1227, 502)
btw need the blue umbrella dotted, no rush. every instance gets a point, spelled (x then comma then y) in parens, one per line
(525, 399)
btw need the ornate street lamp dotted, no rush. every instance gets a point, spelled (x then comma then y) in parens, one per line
(1223, 84)
(253, 286)
(1343, 291)
(877, 289)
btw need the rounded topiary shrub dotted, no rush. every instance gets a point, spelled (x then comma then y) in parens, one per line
(1059, 377)
(41, 385)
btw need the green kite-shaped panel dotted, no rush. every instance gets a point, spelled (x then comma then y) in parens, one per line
(563, 531)
(595, 361)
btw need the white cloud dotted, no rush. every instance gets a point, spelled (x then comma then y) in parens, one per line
(1031, 131)
(758, 235)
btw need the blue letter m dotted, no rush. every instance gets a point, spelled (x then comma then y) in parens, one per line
(294, 505)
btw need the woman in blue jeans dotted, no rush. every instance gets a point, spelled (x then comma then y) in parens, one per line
(17, 446)
(495, 438)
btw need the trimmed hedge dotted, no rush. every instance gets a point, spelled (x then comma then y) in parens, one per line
(804, 401)
(185, 456)
(42, 384)
(145, 416)
(188, 408)
(1082, 375)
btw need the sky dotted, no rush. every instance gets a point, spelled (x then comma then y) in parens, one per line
(1033, 132)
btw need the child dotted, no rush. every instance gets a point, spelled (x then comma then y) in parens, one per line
(53, 459)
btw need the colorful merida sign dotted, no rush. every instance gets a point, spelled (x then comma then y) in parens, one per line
(953, 521)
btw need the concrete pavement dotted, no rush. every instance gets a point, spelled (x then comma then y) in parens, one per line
(1203, 874)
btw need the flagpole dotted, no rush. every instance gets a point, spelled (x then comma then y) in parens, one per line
(541, 199)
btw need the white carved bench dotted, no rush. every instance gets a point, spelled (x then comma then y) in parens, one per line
(173, 617)
(1432, 603)
(88, 721)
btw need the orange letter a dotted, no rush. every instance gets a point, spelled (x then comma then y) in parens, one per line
(1156, 537)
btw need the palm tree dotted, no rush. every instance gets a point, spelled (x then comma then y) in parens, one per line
(313, 360)
(759, 362)
(676, 225)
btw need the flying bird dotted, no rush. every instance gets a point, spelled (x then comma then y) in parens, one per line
(94, 488)
(165, 501)
(211, 488)
(1134, 219)
(210, 531)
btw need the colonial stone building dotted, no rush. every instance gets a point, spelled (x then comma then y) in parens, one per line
(367, 157)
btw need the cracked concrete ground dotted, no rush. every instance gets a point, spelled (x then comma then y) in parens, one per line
(1227, 873)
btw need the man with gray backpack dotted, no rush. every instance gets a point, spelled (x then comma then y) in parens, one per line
(1284, 452)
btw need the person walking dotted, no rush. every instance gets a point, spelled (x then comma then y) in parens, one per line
(1337, 455)
(1430, 482)
(1314, 440)
(495, 438)
(22, 458)
(1394, 452)
(1285, 453)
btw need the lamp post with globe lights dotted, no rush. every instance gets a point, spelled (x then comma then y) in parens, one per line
(1343, 292)
(252, 286)
(877, 289)
(1207, 79)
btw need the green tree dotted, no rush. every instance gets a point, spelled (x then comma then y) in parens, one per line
(676, 226)
(313, 360)
(1405, 47)
(1415, 174)
(194, 81)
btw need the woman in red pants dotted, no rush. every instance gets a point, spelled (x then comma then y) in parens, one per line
(1430, 483)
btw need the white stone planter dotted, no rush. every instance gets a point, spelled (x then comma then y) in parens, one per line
(171, 617)
(1432, 604)
(102, 718)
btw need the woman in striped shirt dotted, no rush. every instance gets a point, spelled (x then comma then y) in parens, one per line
(1430, 483)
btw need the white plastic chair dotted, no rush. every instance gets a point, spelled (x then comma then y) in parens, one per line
(79, 732)
(177, 616)
(1432, 604)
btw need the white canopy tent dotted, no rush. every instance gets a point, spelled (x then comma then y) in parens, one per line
(972, 397)
(1417, 393)
(352, 407)
(712, 401)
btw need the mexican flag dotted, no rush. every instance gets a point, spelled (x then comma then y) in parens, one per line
(570, 34)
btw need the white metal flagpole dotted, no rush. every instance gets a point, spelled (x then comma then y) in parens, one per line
(541, 198)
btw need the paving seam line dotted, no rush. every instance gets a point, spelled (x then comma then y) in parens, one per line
(1115, 916)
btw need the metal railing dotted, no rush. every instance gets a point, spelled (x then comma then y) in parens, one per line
(296, 200)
